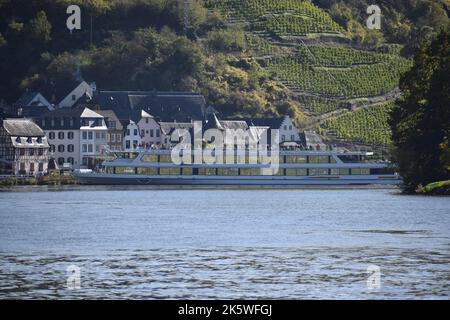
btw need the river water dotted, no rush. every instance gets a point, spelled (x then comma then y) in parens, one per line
(174, 243)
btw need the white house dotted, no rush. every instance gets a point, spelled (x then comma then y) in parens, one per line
(62, 128)
(71, 99)
(132, 138)
(93, 141)
(287, 129)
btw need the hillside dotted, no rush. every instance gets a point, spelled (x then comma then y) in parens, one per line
(314, 60)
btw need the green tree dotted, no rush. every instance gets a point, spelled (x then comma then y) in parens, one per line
(421, 120)
(40, 27)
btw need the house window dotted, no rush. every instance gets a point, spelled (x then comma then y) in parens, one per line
(71, 148)
(90, 135)
(90, 148)
(22, 167)
(61, 148)
(108, 138)
(290, 127)
(135, 144)
(61, 161)
(135, 132)
(158, 133)
(119, 137)
(103, 135)
(292, 138)
(285, 127)
(151, 133)
(128, 132)
(40, 152)
(84, 135)
(283, 138)
(31, 152)
(113, 137)
(70, 160)
(84, 147)
(61, 135)
(127, 144)
(142, 133)
(146, 120)
(70, 135)
(22, 152)
(32, 167)
(52, 148)
(51, 135)
(41, 167)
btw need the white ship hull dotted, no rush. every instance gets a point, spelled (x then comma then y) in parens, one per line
(129, 179)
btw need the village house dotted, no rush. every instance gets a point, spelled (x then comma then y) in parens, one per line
(132, 137)
(82, 90)
(93, 142)
(62, 128)
(23, 148)
(115, 134)
(150, 131)
(287, 130)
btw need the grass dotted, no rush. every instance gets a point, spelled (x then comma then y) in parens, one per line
(435, 188)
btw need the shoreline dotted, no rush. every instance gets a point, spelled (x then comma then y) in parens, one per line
(77, 187)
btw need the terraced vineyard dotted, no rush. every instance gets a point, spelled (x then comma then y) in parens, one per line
(340, 72)
(318, 105)
(323, 77)
(279, 17)
(367, 125)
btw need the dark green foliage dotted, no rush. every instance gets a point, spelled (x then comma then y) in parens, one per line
(421, 121)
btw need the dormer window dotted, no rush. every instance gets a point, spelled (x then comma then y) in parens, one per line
(29, 140)
(39, 140)
(18, 139)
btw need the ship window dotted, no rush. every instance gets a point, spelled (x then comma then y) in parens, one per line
(250, 172)
(359, 171)
(318, 159)
(296, 172)
(295, 159)
(344, 171)
(207, 171)
(318, 172)
(334, 171)
(227, 172)
(187, 171)
(164, 171)
(147, 170)
(165, 158)
(125, 170)
(150, 158)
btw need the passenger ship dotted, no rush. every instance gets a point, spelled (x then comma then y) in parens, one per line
(294, 168)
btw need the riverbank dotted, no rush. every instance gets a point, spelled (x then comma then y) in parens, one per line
(44, 180)
(436, 188)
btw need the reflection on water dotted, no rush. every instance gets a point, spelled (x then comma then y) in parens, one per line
(160, 244)
(230, 273)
